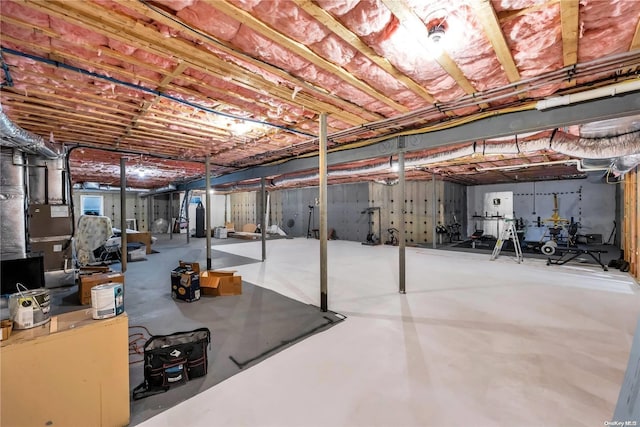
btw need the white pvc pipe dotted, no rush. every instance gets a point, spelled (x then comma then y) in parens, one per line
(575, 162)
(601, 92)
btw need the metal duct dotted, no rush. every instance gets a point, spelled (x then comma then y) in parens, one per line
(602, 150)
(46, 181)
(622, 165)
(14, 136)
(162, 190)
(12, 206)
(443, 156)
(514, 147)
(383, 166)
(598, 148)
(605, 128)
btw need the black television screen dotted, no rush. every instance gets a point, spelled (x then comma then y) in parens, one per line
(28, 270)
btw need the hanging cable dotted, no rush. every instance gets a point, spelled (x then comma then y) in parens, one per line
(7, 74)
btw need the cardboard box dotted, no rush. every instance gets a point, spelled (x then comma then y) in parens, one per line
(88, 281)
(185, 282)
(220, 233)
(220, 283)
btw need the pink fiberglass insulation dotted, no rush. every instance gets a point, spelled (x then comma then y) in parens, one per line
(123, 48)
(337, 8)
(176, 5)
(606, 27)
(505, 5)
(154, 60)
(77, 35)
(289, 19)
(467, 44)
(121, 9)
(363, 68)
(39, 19)
(21, 35)
(272, 53)
(412, 59)
(367, 17)
(260, 47)
(209, 19)
(334, 49)
(535, 39)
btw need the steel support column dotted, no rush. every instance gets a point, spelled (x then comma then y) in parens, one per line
(186, 214)
(207, 211)
(171, 224)
(263, 215)
(401, 222)
(435, 208)
(323, 211)
(123, 214)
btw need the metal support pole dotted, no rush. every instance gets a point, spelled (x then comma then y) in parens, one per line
(323, 211)
(401, 222)
(263, 215)
(171, 224)
(123, 214)
(207, 211)
(186, 214)
(435, 208)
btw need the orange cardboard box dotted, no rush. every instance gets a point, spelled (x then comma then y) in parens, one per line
(88, 281)
(220, 283)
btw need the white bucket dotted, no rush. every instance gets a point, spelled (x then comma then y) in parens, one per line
(107, 300)
(29, 308)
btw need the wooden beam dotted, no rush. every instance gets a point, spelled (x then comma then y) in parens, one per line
(314, 95)
(635, 43)
(301, 50)
(136, 33)
(148, 104)
(569, 14)
(489, 20)
(418, 29)
(354, 41)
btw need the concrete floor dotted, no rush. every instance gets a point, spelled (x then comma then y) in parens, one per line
(473, 342)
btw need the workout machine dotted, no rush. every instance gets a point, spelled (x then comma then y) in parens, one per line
(555, 230)
(573, 253)
(372, 239)
(393, 239)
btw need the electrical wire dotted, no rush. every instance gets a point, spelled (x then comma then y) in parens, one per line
(136, 343)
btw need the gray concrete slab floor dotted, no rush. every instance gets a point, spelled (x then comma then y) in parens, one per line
(472, 342)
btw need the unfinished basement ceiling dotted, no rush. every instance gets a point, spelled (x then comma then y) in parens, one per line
(170, 82)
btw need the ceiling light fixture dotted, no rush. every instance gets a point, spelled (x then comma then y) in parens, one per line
(436, 33)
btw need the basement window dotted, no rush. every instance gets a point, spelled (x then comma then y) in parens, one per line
(92, 205)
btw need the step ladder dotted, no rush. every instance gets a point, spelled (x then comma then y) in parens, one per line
(509, 233)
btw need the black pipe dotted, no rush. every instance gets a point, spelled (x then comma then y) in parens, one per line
(46, 184)
(64, 188)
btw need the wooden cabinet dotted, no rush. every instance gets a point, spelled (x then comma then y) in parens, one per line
(72, 371)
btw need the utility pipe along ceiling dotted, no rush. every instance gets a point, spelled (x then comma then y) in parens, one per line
(167, 83)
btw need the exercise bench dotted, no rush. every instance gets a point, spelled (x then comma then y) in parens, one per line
(572, 253)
